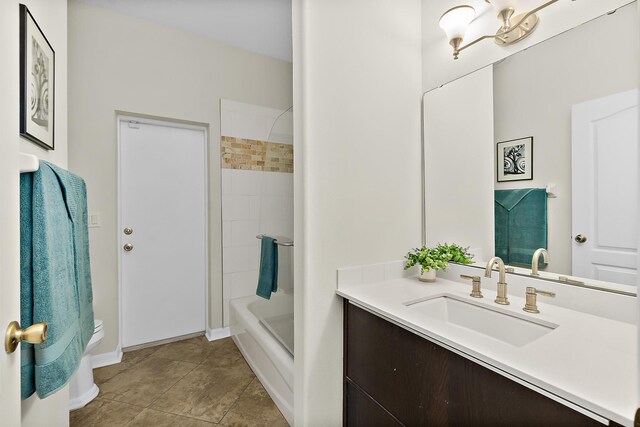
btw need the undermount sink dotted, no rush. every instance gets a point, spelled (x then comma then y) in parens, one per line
(484, 319)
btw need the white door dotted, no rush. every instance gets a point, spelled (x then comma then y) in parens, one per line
(9, 276)
(605, 188)
(9, 211)
(163, 201)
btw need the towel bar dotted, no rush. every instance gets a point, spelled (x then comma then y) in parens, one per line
(289, 243)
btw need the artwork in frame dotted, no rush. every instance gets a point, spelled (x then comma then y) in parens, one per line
(515, 160)
(37, 78)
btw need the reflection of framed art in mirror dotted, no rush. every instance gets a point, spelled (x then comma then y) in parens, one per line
(515, 160)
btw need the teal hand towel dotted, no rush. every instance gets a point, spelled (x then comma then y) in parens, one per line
(268, 279)
(55, 277)
(520, 224)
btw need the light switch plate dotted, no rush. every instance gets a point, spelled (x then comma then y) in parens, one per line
(94, 219)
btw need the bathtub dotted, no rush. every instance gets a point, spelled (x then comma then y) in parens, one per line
(261, 331)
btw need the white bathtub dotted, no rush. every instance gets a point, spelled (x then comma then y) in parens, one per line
(269, 359)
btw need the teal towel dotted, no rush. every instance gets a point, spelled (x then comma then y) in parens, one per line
(268, 280)
(55, 278)
(520, 224)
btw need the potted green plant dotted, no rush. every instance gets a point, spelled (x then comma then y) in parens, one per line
(431, 260)
(454, 253)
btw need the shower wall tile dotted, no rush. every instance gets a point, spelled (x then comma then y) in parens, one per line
(278, 184)
(235, 207)
(226, 234)
(243, 283)
(255, 155)
(243, 233)
(226, 286)
(257, 189)
(271, 208)
(235, 259)
(254, 202)
(247, 183)
(254, 207)
(254, 257)
(226, 181)
(287, 207)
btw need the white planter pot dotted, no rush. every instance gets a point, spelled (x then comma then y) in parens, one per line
(428, 276)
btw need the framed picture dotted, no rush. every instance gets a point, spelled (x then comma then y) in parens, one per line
(515, 160)
(37, 82)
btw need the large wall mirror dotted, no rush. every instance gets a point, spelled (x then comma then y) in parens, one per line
(553, 164)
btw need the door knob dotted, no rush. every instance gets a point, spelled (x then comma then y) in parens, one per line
(34, 334)
(580, 238)
(128, 231)
(128, 247)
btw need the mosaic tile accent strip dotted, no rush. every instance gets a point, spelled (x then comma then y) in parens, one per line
(249, 154)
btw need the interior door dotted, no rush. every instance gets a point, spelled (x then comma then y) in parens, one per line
(163, 231)
(9, 211)
(9, 278)
(605, 188)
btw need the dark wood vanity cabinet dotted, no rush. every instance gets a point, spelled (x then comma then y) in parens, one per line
(393, 377)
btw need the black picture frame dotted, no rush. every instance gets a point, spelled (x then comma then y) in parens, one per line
(37, 83)
(518, 165)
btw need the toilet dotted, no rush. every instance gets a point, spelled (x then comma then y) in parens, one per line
(82, 389)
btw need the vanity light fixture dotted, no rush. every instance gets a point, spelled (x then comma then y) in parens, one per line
(455, 21)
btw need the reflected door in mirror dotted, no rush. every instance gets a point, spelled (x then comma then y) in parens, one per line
(605, 188)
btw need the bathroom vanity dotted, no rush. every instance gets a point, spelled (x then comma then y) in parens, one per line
(409, 359)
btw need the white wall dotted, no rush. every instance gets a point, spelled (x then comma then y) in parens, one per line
(121, 63)
(52, 18)
(585, 63)
(458, 139)
(357, 178)
(254, 202)
(438, 64)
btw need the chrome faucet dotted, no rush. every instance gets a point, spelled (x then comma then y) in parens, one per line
(534, 260)
(501, 298)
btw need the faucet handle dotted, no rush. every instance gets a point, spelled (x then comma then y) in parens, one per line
(530, 305)
(476, 292)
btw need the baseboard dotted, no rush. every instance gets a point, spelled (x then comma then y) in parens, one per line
(106, 359)
(217, 334)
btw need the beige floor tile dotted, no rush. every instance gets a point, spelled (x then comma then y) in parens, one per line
(207, 392)
(222, 353)
(145, 381)
(153, 418)
(103, 413)
(254, 408)
(194, 350)
(182, 393)
(130, 358)
(138, 355)
(104, 374)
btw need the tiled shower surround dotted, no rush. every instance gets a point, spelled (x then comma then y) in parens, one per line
(257, 196)
(248, 154)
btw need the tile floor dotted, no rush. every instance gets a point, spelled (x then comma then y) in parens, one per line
(190, 383)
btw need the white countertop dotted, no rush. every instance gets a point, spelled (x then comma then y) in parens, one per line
(589, 362)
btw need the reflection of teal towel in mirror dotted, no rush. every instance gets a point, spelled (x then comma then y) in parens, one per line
(520, 224)
(268, 280)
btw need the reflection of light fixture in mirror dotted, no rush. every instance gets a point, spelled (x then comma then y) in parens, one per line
(455, 21)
